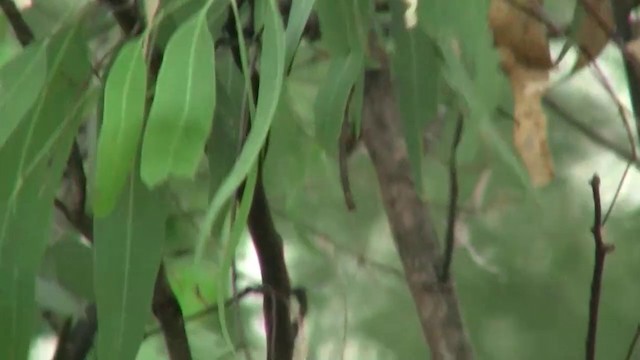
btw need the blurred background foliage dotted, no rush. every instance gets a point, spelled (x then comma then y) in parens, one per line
(524, 261)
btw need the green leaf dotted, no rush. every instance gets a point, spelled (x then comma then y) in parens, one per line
(298, 16)
(344, 24)
(122, 121)
(237, 229)
(271, 80)
(128, 250)
(182, 111)
(416, 69)
(479, 112)
(333, 95)
(21, 80)
(33, 159)
(77, 275)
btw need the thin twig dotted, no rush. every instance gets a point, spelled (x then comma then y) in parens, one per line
(453, 202)
(210, 310)
(625, 123)
(634, 341)
(588, 132)
(601, 251)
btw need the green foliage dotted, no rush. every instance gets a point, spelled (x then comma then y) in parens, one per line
(298, 16)
(33, 158)
(180, 117)
(271, 79)
(25, 75)
(122, 121)
(166, 154)
(128, 248)
(416, 73)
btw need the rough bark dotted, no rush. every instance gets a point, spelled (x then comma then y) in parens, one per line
(409, 218)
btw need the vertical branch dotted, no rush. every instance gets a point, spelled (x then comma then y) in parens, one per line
(411, 225)
(267, 242)
(268, 245)
(453, 202)
(601, 251)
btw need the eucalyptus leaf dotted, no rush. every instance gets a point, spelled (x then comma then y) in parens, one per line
(128, 249)
(333, 96)
(33, 159)
(298, 16)
(344, 24)
(271, 80)
(416, 69)
(21, 80)
(122, 121)
(239, 224)
(182, 111)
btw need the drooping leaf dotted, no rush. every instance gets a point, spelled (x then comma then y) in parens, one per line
(524, 51)
(415, 67)
(21, 80)
(128, 250)
(237, 229)
(122, 121)
(344, 24)
(524, 36)
(271, 79)
(456, 75)
(33, 159)
(298, 16)
(181, 114)
(333, 95)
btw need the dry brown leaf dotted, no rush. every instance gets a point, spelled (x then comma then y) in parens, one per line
(523, 46)
(593, 34)
(516, 29)
(530, 123)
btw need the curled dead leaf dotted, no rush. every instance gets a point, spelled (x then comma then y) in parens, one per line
(521, 40)
(530, 123)
(515, 28)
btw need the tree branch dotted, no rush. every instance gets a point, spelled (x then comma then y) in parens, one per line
(267, 243)
(410, 222)
(601, 251)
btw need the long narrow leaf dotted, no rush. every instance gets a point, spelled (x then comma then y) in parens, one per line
(332, 97)
(128, 251)
(238, 226)
(21, 80)
(298, 16)
(181, 114)
(271, 79)
(415, 67)
(33, 159)
(122, 120)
